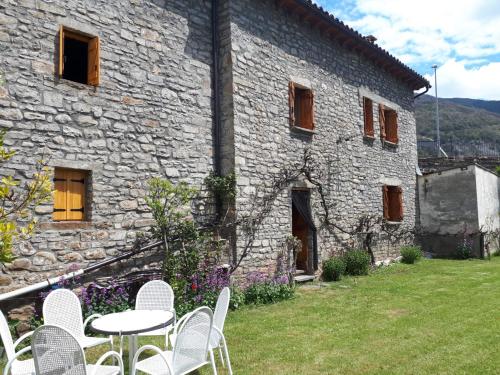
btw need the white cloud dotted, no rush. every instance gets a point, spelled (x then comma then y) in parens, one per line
(455, 80)
(463, 36)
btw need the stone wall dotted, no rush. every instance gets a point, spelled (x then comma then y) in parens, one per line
(150, 116)
(271, 48)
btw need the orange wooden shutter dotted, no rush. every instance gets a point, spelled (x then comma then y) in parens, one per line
(61, 50)
(291, 103)
(368, 117)
(381, 116)
(93, 70)
(400, 201)
(76, 195)
(385, 198)
(311, 109)
(60, 198)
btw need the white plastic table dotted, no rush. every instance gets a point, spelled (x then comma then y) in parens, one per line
(130, 323)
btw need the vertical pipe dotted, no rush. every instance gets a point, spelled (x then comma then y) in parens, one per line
(438, 135)
(216, 93)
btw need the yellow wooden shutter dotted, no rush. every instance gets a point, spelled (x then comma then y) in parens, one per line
(76, 195)
(60, 196)
(291, 103)
(93, 70)
(61, 50)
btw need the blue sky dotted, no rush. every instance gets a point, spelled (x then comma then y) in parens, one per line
(461, 36)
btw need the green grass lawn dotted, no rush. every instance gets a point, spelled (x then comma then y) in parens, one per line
(435, 317)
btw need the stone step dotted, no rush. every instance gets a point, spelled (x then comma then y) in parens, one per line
(299, 272)
(303, 278)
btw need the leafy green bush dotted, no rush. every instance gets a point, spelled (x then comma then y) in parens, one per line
(333, 269)
(260, 294)
(410, 254)
(464, 250)
(496, 253)
(357, 262)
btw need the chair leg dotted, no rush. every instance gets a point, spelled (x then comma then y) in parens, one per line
(111, 344)
(212, 360)
(226, 353)
(221, 357)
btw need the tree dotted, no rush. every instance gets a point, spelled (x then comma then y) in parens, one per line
(18, 201)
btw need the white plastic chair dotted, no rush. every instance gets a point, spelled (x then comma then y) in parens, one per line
(62, 308)
(57, 352)
(189, 353)
(156, 295)
(217, 339)
(16, 366)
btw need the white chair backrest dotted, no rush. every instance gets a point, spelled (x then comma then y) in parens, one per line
(155, 295)
(191, 345)
(221, 308)
(57, 352)
(8, 344)
(62, 308)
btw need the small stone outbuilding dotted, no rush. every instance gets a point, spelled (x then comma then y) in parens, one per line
(459, 205)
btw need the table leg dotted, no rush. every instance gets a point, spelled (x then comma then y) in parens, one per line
(132, 349)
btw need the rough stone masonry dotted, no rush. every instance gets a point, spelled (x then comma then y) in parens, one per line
(152, 115)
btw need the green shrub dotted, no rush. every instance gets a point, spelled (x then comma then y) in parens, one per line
(268, 292)
(357, 262)
(496, 253)
(333, 269)
(411, 254)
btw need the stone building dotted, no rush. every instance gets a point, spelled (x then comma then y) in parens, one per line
(117, 92)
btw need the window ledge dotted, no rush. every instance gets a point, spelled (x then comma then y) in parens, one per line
(391, 144)
(66, 225)
(388, 222)
(298, 129)
(370, 138)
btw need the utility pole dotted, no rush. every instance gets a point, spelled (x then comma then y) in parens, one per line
(438, 136)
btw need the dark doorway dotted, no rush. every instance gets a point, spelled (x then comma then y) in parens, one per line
(303, 228)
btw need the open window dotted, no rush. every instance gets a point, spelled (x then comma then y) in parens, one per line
(70, 194)
(388, 124)
(79, 56)
(393, 203)
(301, 103)
(369, 130)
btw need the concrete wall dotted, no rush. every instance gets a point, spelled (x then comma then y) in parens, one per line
(150, 116)
(455, 205)
(488, 199)
(271, 48)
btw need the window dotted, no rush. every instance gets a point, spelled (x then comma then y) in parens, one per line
(78, 57)
(301, 103)
(368, 117)
(393, 203)
(70, 191)
(388, 124)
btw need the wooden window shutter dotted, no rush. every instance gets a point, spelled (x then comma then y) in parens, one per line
(60, 198)
(69, 199)
(381, 116)
(61, 51)
(400, 201)
(291, 103)
(368, 117)
(93, 70)
(385, 198)
(311, 109)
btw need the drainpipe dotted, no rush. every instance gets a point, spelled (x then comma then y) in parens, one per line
(427, 88)
(216, 93)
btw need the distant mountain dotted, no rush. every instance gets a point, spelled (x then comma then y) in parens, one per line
(461, 120)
